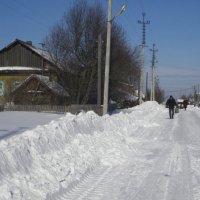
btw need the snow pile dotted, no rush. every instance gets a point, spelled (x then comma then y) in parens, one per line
(40, 162)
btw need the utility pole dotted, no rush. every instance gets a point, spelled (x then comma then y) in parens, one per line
(198, 96)
(152, 97)
(99, 69)
(195, 92)
(143, 45)
(107, 62)
(108, 49)
(147, 75)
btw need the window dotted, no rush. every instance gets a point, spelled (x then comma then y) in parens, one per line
(1, 88)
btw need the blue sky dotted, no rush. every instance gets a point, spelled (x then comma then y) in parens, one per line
(174, 28)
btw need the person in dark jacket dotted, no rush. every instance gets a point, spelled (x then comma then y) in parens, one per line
(171, 103)
(185, 103)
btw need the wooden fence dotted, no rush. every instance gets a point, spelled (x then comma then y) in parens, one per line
(74, 109)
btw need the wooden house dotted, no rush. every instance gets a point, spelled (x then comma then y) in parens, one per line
(19, 60)
(40, 90)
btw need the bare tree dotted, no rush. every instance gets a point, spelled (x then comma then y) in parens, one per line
(73, 46)
(124, 64)
(73, 42)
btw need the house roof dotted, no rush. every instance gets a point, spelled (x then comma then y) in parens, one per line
(40, 52)
(52, 85)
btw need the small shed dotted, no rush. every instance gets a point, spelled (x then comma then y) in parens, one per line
(40, 90)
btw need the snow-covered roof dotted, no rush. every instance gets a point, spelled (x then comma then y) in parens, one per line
(18, 68)
(52, 85)
(45, 54)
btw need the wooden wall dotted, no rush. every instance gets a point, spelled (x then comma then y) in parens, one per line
(20, 55)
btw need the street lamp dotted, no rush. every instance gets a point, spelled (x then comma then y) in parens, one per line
(107, 63)
(120, 11)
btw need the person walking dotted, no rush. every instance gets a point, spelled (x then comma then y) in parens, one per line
(185, 103)
(171, 103)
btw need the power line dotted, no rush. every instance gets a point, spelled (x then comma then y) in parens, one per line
(179, 90)
(183, 91)
(143, 45)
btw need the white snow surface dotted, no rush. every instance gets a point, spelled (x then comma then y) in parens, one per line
(18, 68)
(136, 153)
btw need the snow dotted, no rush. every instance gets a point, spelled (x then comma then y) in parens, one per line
(12, 123)
(18, 68)
(179, 100)
(136, 153)
(43, 53)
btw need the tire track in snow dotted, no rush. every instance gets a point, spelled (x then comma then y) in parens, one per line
(90, 187)
(170, 176)
(193, 140)
(168, 179)
(179, 183)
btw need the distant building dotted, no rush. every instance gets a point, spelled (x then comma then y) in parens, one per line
(19, 60)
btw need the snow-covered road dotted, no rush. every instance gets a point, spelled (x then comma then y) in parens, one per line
(135, 154)
(165, 165)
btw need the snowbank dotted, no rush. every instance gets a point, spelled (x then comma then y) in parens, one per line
(40, 162)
